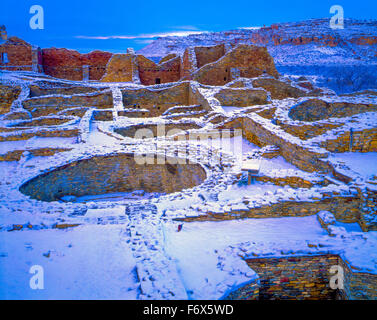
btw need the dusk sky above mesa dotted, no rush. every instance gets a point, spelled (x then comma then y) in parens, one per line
(116, 25)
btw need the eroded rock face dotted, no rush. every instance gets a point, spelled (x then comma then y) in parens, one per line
(241, 97)
(243, 61)
(8, 94)
(68, 64)
(317, 109)
(278, 89)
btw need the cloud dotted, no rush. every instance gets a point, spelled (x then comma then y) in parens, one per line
(185, 27)
(144, 41)
(144, 35)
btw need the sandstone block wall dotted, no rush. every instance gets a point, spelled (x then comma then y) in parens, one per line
(306, 132)
(362, 141)
(278, 89)
(295, 154)
(68, 64)
(158, 101)
(151, 73)
(43, 106)
(206, 55)
(111, 174)
(248, 292)
(359, 285)
(120, 68)
(305, 278)
(45, 89)
(8, 94)
(171, 128)
(64, 133)
(251, 61)
(241, 97)
(295, 278)
(316, 109)
(19, 55)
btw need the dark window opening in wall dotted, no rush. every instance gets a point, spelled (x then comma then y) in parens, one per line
(4, 58)
(224, 78)
(158, 80)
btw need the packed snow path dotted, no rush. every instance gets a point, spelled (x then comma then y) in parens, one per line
(157, 272)
(117, 101)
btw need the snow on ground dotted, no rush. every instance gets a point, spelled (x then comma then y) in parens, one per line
(236, 192)
(86, 262)
(36, 143)
(194, 247)
(363, 163)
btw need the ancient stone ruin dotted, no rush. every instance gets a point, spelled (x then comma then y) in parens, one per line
(117, 152)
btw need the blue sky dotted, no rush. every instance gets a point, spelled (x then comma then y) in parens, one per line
(114, 25)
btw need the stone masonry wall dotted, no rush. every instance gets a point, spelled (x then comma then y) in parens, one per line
(295, 278)
(151, 73)
(112, 174)
(362, 141)
(157, 101)
(294, 153)
(68, 64)
(241, 97)
(8, 94)
(305, 277)
(42, 106)
(251, 61)
(19, 55)
(206, 55)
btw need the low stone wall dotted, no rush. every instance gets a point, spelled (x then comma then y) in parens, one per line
(358, 285)
(278, 89)
(8, 94)
(362, 141)
(301, 157)
(293, 181)
(368, 219)
(43, 106)
(305, 277)
(345, 209)
(248, 292)
(295, 278)
(316, 109)
(46, 89)
(103, 115)
(306, 132)
(51, 121)
(112, 174)
(154, 130)
(41, 133)
(241, 97)
(42, 152)
(158, 100)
